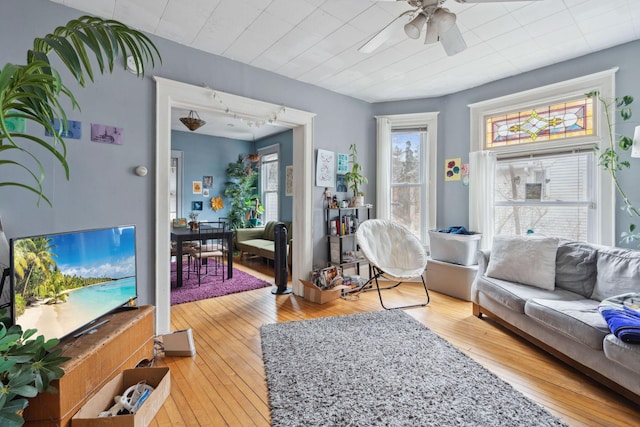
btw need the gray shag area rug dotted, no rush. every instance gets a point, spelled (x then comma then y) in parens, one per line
(383, 369)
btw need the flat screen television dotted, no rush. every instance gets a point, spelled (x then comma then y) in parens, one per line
(63, 283)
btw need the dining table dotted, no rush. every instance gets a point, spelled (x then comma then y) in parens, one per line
(180, 235)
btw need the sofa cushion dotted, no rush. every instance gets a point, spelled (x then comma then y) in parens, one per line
(528, 260)
(618, 273)
(576, 264)
(579, 320)
(514, 295)
(627, 355)
(270, 231)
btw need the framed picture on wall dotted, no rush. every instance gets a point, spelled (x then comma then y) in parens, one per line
(197, 187)
(196, 206)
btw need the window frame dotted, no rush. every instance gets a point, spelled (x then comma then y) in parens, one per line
(604, 82)
(265, 151)
(385, 125)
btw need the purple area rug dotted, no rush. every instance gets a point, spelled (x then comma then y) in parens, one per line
(212, 286)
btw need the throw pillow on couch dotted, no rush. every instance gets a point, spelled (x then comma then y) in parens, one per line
(529, 260)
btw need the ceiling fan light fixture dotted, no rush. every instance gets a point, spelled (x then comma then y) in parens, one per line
(432, 33)
(414, 27)
(452, 41)
(443, 20)
(192, 121)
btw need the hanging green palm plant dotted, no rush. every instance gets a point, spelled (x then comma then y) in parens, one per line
(33, 92)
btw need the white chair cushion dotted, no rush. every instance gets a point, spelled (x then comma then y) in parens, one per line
(392, 248)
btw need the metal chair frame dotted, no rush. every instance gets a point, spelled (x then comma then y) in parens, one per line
(216, 253)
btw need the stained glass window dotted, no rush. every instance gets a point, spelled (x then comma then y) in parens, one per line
(543, 123)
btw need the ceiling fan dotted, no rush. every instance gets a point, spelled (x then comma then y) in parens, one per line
(440, 22)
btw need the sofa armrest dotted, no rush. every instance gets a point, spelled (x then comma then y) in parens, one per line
(244, 234)
(482, 256)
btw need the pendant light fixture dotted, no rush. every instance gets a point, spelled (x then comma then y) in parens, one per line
(192, 121)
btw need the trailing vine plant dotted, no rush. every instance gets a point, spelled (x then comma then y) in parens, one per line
(610, 160)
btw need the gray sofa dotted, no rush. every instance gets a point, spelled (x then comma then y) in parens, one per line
(260, 240)
(564, 320)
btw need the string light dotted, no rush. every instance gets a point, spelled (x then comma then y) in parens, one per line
(273, 117)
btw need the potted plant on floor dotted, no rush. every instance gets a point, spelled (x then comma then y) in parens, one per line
(355, 178)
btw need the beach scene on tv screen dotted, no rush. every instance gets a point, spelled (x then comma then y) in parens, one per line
(65, 281)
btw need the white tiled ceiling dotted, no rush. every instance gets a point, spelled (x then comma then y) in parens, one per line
(316, 41)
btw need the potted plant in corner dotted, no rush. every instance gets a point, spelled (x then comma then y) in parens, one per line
(28, 365)
(241, 189)
(355, 178)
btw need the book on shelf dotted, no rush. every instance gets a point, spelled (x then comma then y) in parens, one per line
(342, 226)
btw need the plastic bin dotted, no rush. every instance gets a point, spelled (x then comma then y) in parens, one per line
(454, 248)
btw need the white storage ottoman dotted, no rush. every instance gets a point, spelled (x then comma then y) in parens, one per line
(451, 279)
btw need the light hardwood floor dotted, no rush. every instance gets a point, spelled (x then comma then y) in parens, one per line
(224, 383)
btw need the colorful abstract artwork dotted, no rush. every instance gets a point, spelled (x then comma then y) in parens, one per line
(452, 169)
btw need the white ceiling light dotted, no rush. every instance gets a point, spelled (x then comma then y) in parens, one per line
(440, 22)
(414, 27)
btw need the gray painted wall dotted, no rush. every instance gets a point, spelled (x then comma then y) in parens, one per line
(104, 191)
(453, 124)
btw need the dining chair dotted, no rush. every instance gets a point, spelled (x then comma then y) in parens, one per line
(189, 253)
(211, 251)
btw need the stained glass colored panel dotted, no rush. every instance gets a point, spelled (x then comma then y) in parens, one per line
(545, 123)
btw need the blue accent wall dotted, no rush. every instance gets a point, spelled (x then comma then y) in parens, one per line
(206, 155)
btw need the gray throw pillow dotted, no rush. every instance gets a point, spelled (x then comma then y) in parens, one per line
(576, 267)
(528, 260)
(618, 273)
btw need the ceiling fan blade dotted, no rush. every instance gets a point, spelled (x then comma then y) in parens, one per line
(452, 41)
(381, 36)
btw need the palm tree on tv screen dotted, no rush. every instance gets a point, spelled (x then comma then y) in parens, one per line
(34, 259)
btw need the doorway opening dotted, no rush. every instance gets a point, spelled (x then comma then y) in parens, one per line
(170, 94)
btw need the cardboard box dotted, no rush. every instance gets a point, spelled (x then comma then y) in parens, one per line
(158, 378)
(319, 296)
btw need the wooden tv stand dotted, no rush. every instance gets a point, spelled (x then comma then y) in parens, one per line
(96, 358)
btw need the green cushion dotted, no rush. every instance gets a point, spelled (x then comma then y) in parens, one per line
(269, 231)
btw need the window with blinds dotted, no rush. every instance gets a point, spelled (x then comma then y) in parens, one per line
(552, 195)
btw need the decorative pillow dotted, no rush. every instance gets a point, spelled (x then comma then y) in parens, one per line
(269, 231)
(576, 267)
(527, 260)
(618, 273)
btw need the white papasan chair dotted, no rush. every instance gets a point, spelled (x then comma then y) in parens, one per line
(394, 254)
